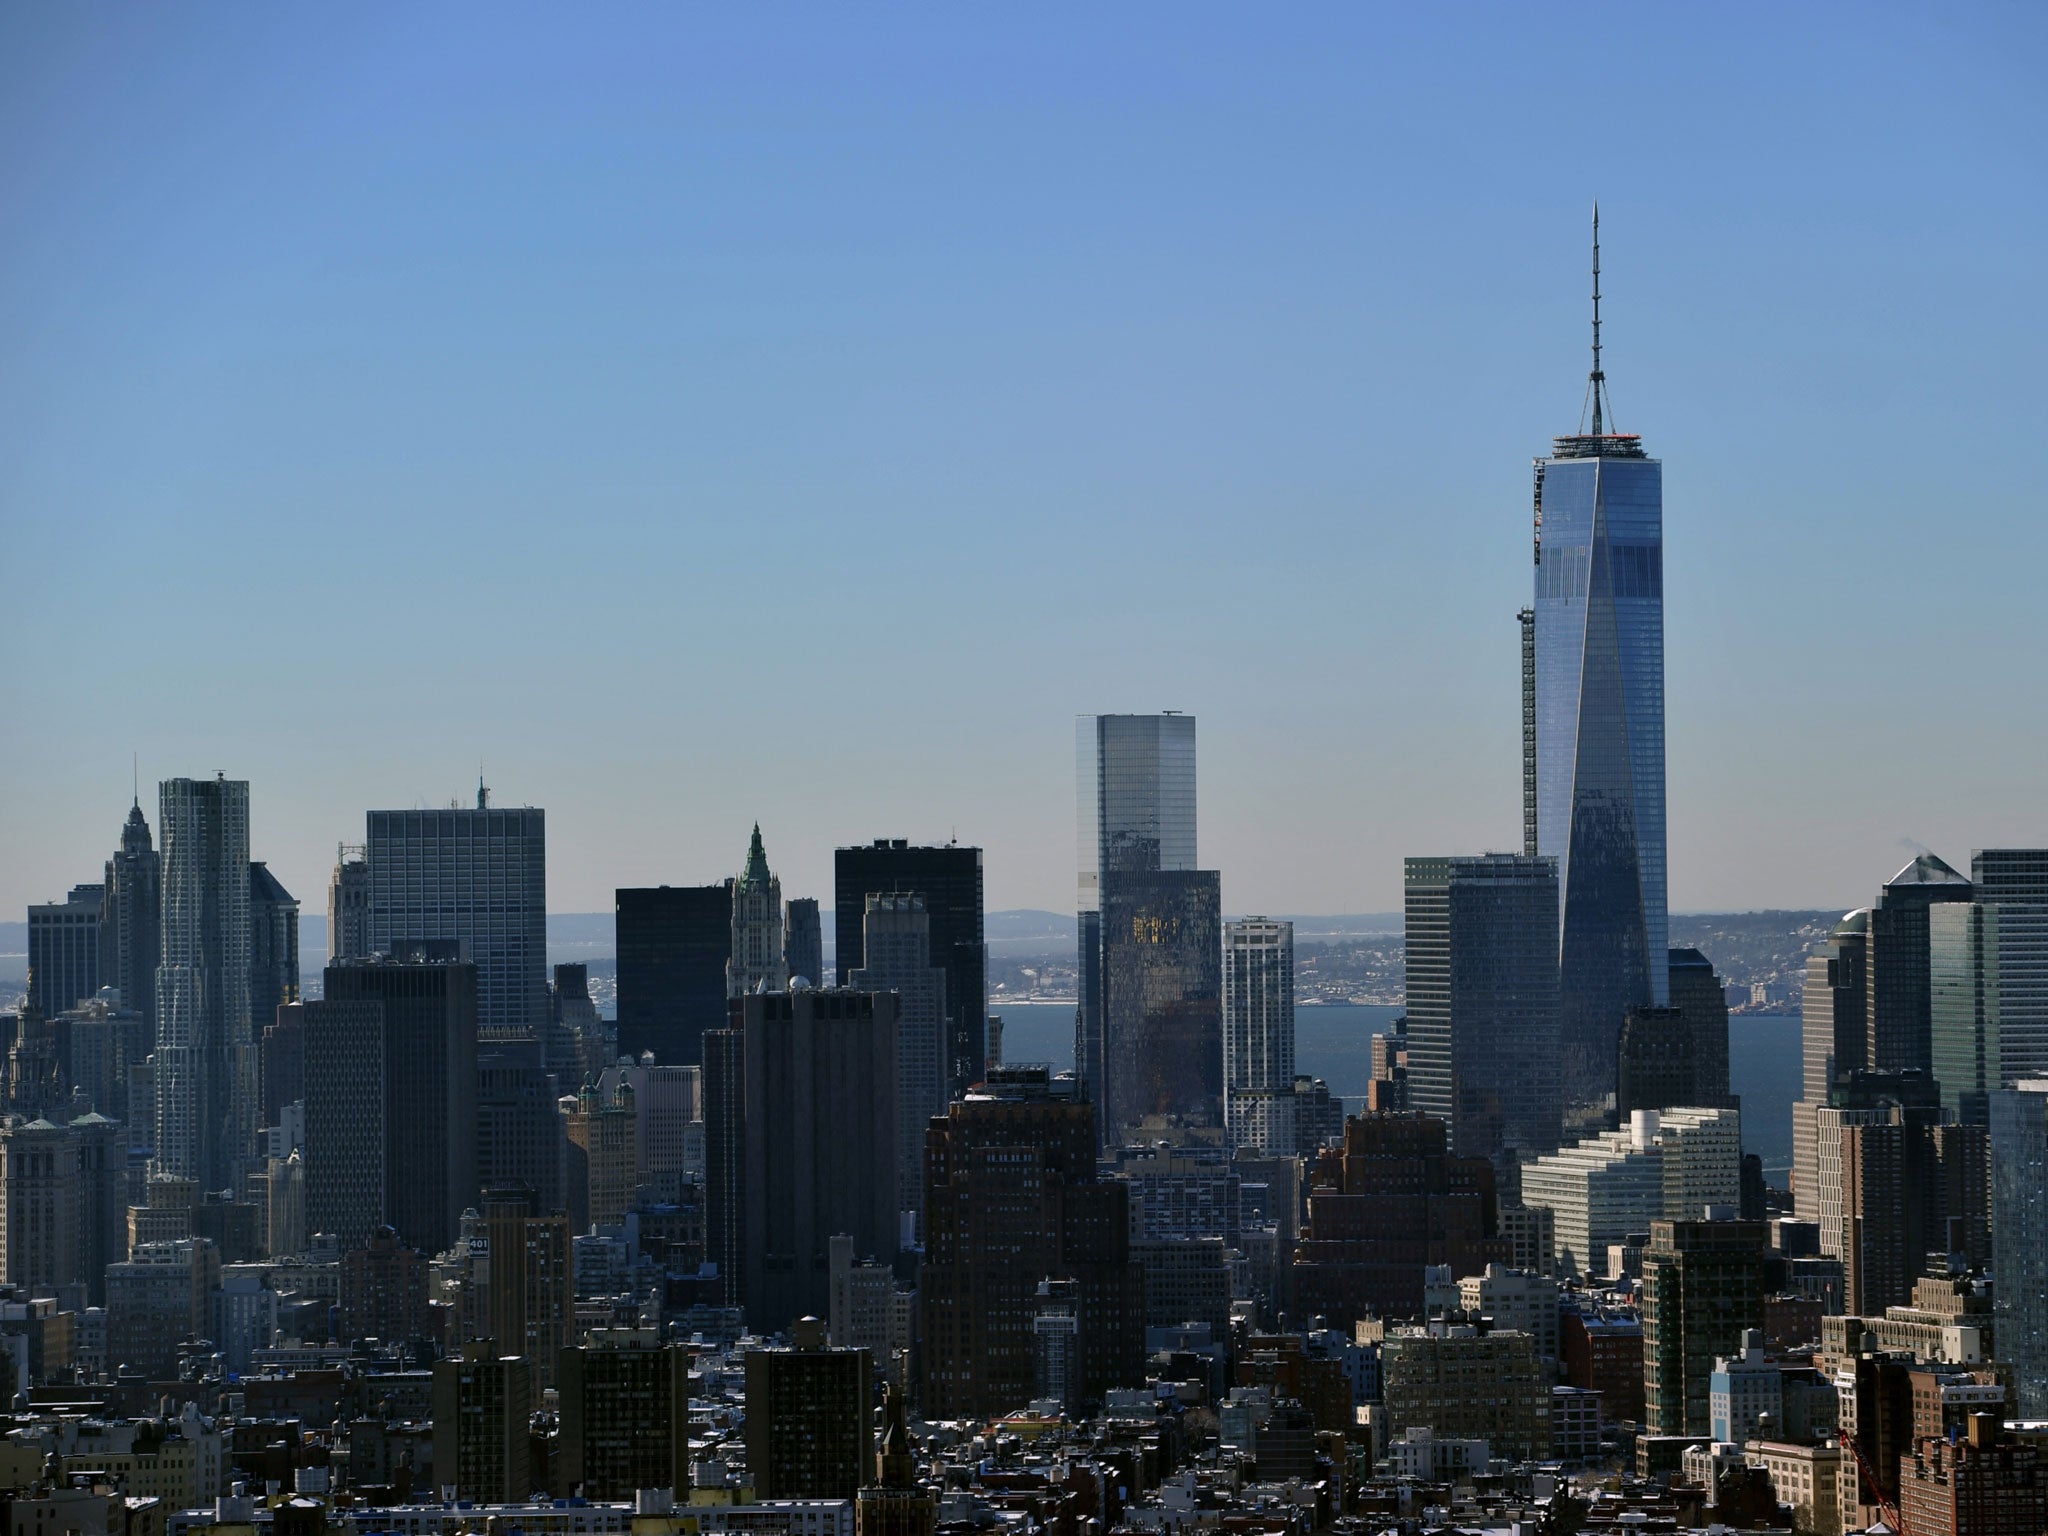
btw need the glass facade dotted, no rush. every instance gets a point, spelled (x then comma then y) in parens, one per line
(2019, 1236)
(1162, 997)
(1600, 741)
(1136, 781)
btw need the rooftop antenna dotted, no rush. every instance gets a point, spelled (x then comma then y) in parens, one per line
(1596, 387)
(135, 777)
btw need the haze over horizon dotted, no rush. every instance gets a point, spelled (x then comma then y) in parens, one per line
(708, 417)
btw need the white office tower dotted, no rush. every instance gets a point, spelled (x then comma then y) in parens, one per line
(461, 884)
(1258, 1035)
(897, 951)
(206, 1109)
(1667, 1165)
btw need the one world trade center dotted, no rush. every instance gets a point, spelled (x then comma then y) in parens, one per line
(1594, 766)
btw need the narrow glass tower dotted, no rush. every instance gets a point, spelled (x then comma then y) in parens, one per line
(1599, 727)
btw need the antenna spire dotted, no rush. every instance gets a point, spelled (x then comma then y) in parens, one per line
(1599, 380)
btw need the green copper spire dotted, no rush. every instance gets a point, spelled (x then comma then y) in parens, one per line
(757, 861)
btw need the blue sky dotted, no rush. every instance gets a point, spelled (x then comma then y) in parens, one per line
(719, 413)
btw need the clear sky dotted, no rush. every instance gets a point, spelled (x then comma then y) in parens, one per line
(702, 414)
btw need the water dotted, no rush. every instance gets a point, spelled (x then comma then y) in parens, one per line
(1334, 1042)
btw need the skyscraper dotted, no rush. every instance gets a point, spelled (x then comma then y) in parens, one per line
(1162, 998)
(758, 962)
(803, 940)
(1258, 1034)
(205, 1053)
(273, 946)
(896, 951)
(1832, 1012)
(2019, 1235)
(1012, 1198)
(64, 950)
(131, 919)
(474, 878)
(674, 942)
(1702, 1001)
(393, 1044)
(1988, 980)
(949, 880)
(348, 905)
(1599, 727)
(808, 1413)
(1482, 1003)
(1136, 777)
(1898, 1036)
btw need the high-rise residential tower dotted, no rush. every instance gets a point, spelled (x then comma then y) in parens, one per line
(948, 877)
(758, 962)
(896, 950)
(131, 918)
(1599, 727)
(1258, 1034)
(1482, 1003)
(477, 879)
(1136, 777)
(674, 943)
(205, 1053)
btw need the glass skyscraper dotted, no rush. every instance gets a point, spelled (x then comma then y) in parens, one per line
(1136, 776)
(1599, 736)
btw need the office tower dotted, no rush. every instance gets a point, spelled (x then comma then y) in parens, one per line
(1467, 1384)
(284, 1205)
(64, 950)
(1056, 1344)
(1667, 1164)
(669, 1132)
(1482, 1003)
(1833, 1009)
(1654, 1067)
(1701, 999)
(725, 1158)
(1599, 727)
(1136, 776)
(757, 962)
(529, 1285)
(383, 1290)
(348, 904)
(106, 1039)
(808, 1413)
(1988, 980)
(604, 1156)
(815, 1102)
(34, 1068)
(391, 1115)
(577, 1041)
(2019, 1237)
(482, 1402)
(1012, 1198)
(476, 879)
(1898, 1034)
(281, 1061)
(1258, 1033)
(892, 1504)
(625, 1414)
(62, 1204)
(1897, 1162)
(1702, 1286)
(1392, 1202)
(896, 955)
(205, 1079)
(1162, 998)
(519, 1129)
(949, 880)
(131, 919)
(674, 942)
(273, 945)
(803, 940)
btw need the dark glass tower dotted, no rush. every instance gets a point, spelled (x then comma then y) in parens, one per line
(949, 880)
(673, 942)
(1599, 728)
(1162, 998)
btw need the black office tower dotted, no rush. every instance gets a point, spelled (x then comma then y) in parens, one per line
(673, 942)
(949, 880)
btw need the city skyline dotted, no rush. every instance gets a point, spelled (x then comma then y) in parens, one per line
(570, 399)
